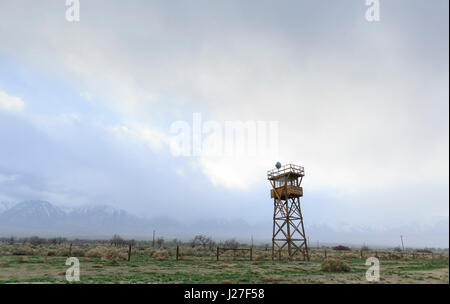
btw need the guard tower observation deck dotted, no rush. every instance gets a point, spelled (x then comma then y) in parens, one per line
(286, 181)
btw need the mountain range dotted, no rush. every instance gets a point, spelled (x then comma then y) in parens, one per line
(45, 219)
(42, 218)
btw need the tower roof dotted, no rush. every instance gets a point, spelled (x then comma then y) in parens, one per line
(289, 169)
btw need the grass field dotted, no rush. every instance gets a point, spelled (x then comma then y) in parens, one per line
(205, 269)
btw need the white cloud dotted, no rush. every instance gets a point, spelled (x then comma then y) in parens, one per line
(180, 171)
(86, 95)
(357, 105)
(8, 178)
(10, 103)
(143, 134)
(235, 172)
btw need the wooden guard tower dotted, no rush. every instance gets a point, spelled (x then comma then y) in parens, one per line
(288, 229)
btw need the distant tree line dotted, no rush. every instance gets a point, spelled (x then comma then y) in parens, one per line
(199, 241)
(34, 240)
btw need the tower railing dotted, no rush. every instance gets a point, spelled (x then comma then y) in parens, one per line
(289, 168)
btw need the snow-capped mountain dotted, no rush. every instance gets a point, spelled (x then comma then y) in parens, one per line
(41, 217)
(32, 214)
(98, 211)
(104, 218)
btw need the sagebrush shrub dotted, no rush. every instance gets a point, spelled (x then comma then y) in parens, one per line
(114, 255)
(23, 250)
(96, 252)
(335, 266)
(77, 252)
(161, 255)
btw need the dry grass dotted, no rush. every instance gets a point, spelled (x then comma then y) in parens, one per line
(335, 266)
(147, 269)
(182, 258)
(273, 278)
(219, 266)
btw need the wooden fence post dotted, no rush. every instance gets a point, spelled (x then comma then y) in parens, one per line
(178, 250)
(361, 254)
(217, 254)
(70, 250)
(251, 254)
(129, 252)
(326, 257)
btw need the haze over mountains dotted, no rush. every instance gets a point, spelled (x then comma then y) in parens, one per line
(101, 221)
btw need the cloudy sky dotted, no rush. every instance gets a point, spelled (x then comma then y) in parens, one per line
(86, 107)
